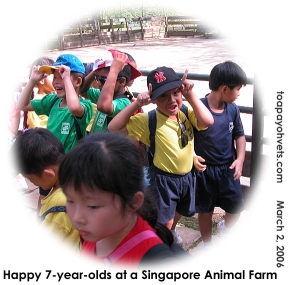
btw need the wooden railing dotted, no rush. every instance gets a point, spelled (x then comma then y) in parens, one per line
(99, 32)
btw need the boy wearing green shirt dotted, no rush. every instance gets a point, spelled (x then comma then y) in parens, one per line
(112, 71)
(66, 109)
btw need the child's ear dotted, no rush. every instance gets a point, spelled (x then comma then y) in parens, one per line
(49, 172)
(122, 81)
(137, 200)
(223, 88)
(78, 81)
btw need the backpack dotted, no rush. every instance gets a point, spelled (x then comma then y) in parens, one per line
(77, 126)
(155, 253)
(152, 130)
(164, 253)
(51, 210)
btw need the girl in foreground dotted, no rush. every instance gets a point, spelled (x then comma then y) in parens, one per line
(109, 203)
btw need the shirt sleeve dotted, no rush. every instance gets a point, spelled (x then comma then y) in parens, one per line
(43, 106)
(93, 94)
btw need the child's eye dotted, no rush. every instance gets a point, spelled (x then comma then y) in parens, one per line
(93, 207)
(162, 95)
(177, 91)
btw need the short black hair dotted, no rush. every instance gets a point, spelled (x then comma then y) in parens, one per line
(125, 72)
(227, 73)
(36, 149)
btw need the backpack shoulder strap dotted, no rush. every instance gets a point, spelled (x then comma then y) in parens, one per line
(128, 245)
(52, 210)
(78, 130)
(184, 110)
(77, 126)
(152, 129)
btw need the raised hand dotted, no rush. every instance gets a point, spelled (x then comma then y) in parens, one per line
(187, 85)
(144, 97)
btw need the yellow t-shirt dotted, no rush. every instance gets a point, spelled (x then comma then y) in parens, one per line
(169, 155)
(34, 120)
(58, 223)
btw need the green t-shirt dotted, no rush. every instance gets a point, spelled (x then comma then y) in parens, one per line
(101, 120)
(61, 121)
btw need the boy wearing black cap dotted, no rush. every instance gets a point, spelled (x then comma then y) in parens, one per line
(64, 107)
(174, 145)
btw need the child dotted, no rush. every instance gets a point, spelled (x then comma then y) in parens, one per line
(112, 71)
(38, 153)
(67, 111)
(217, 181)
(173, 159)
(109, 202)
(42, 88)
(31, 119)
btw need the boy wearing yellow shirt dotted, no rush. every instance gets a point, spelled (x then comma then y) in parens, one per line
(170, 175)
(39, 153)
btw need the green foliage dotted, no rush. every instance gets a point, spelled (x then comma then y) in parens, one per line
(129, 12)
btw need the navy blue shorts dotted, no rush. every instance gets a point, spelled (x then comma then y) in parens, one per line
(216, 187)
(172, 193)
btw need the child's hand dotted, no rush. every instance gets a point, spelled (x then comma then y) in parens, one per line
(187, 85)
(37, 75)
(238, 166)
(197, 163)
(144, 97)
(119, 61)
(64, 71)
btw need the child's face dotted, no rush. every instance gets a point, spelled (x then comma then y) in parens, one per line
(102, 73)
(45, 181)
(58, 84)
(169, 102)
(98, 215)
(230, 95)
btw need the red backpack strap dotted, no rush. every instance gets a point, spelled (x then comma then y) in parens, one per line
(128, 245)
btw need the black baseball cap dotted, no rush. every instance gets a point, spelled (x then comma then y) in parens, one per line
(162, 79)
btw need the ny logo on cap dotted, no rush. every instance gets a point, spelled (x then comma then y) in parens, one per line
(159, 76)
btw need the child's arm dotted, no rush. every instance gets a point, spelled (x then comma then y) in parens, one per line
(24, 99)
(238, 163)
(203, 115)
(72, 98)
(118, 123)
(104, 103)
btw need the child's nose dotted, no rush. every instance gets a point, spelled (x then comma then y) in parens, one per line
(77, 216)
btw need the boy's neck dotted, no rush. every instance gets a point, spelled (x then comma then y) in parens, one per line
(215, 102)
(119, 92)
